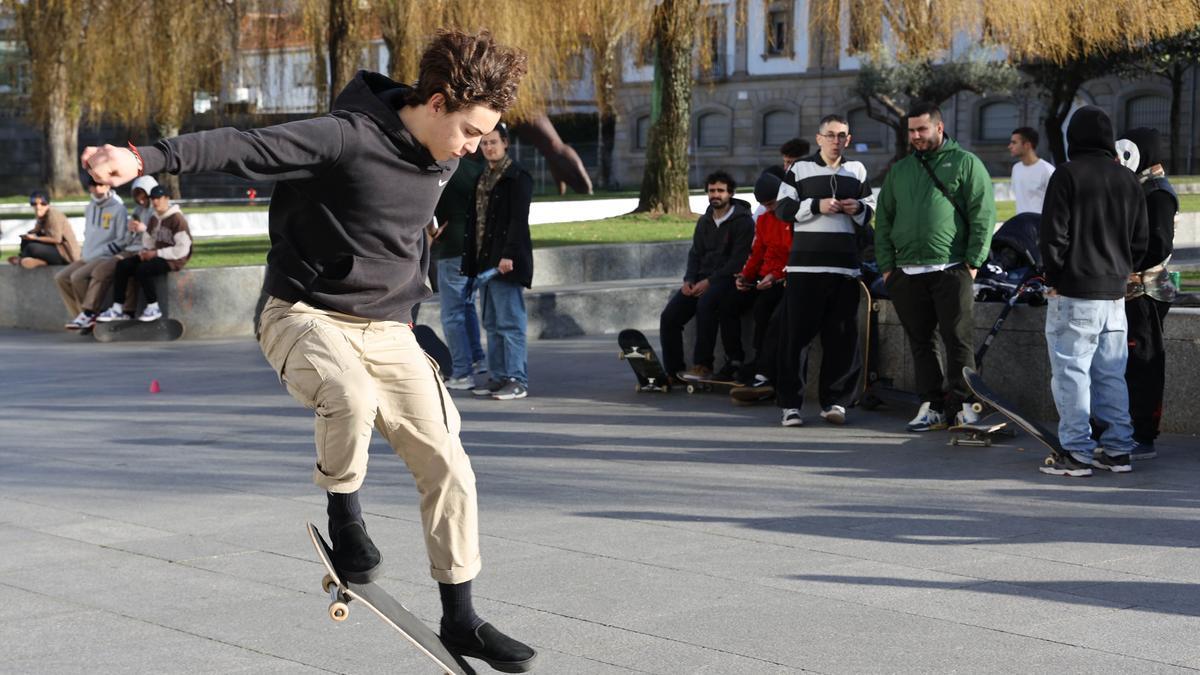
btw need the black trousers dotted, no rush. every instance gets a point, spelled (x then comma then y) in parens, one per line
(41, 251)
(720, 307)
(1146, 370)
(143, 271)
(943, 303)
(825, 305)
(769, 329)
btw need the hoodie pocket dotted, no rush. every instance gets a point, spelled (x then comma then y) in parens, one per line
(370, 277)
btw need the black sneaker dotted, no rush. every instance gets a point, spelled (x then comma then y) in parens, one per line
(488, 644)
(488, 388)
(1144, 451)
(1065, 465)
(1113, 463)
(730, 372)
(354, 554)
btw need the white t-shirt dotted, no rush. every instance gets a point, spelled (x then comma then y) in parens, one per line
(1029, 185)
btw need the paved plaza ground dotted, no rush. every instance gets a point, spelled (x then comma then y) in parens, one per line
(156, 533)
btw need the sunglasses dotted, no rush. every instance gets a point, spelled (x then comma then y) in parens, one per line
(36, 202)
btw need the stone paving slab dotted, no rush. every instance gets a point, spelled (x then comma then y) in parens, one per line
(622, 533)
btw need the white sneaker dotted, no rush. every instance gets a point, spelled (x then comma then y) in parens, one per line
(791, 418)
(114, 313)
(78, 322)
(460, 383)
(967, 415)
(927, 419)
(151, 313)
(834, 414)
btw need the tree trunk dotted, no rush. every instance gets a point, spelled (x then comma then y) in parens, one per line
(1174, 140)
(343, 46)
(169, 181)
(665, 181)
(60, 156)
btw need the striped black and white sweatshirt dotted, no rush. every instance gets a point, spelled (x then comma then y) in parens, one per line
(824, 242)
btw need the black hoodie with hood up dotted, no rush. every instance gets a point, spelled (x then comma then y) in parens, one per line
(1094, 228)
(355, 191)
(1161, 201)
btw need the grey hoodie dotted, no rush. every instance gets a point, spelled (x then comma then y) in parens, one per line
(105, 227)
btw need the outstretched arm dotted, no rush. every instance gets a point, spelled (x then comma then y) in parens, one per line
(281, 152)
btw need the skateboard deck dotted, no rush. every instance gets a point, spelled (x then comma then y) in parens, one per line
(159, 330)
(748, 395)
(1043, 435)
(636, 349)
(698, 384)
(435, 348)
(977, 435)
(394, 614)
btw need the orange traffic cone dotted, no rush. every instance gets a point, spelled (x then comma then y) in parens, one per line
(154, 388)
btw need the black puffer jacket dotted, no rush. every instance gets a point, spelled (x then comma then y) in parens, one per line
(506, 229)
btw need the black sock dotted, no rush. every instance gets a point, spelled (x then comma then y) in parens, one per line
(458, 612)
(343, 508)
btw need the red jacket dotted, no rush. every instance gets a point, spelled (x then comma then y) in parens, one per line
(769, 253)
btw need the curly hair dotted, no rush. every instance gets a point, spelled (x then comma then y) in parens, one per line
(469, 70)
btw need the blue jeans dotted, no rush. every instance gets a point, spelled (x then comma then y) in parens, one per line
(504, 320)
(460, 322)
(1088, 350)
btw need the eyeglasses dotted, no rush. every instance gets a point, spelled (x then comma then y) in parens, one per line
(835, 137)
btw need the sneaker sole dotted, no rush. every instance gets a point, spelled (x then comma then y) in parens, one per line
(1074, 473)
(1114, 469)
(509, 397)
(932, 427)
(834, 419)
(793, 423)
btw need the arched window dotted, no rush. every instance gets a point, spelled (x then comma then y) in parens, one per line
(866, 131)
(641, 133)
(1151, 110)
(778, 127)
(712, 131)
(996, 121)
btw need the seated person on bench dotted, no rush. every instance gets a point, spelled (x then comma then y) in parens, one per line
(167, 245)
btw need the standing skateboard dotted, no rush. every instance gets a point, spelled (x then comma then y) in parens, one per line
(636, 349)
(1044, 436)
(159, 330)
(435, 348)
(342, 593)
(976, 435)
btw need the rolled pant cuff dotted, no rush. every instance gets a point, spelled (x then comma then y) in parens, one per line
(330, 484)
(457, 575)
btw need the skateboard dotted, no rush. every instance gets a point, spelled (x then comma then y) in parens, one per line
(394, 614)
(976, 435)
(1044, 436)
(696, 384)
(435, 348)
(636, 349)
(159, 330)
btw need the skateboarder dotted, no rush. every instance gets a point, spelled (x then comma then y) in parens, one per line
(348, 260)
(1093, 232)
(1145, 373)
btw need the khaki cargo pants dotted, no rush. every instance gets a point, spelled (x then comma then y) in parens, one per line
(358, 375)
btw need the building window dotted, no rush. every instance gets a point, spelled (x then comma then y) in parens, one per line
(779, 30)
(866, 131)
(778, 127)
(641, 133)
(1152, 111)
(714, 64)
(712, 131)
(996, 122)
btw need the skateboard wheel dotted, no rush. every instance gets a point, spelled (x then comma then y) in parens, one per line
(977, 407)
(691, 389)
(327, 583)
(338, 611)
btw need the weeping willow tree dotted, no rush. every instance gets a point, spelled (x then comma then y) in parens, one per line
(1060, 45)
(59, 36)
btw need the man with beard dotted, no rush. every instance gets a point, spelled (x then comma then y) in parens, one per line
(933, 229)
(720, 246)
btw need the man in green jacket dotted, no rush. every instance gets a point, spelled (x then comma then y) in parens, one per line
(933, 229)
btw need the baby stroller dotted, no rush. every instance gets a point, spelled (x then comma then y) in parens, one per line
(1012, 272)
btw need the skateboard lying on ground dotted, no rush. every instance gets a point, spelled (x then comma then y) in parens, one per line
(1044, 436)
(636, 349)
(435, 348)
(342, 594)
(159, 330)
(695, 384)
(976, 435)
